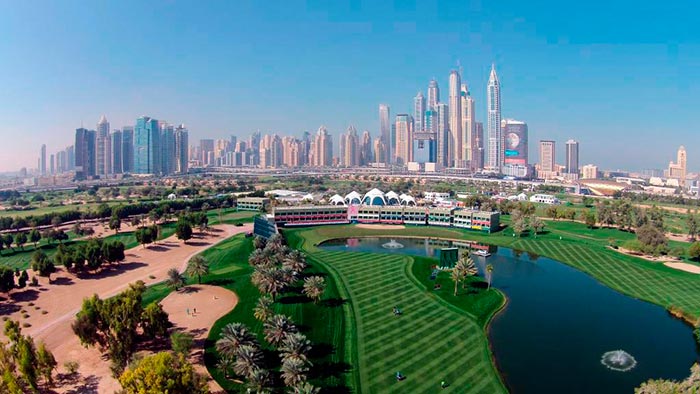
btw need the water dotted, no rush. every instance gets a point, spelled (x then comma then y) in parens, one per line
(560, 322)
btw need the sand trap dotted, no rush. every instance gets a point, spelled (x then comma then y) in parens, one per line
(211, 303)
(693, 269)
(381, 226)
(63, 298)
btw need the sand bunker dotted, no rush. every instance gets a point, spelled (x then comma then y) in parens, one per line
(693, 269)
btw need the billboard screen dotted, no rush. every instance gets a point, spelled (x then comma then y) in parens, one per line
(515, 142)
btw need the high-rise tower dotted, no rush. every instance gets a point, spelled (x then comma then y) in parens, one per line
(433, 94)
(42, 160)
(147, 146)
(419, 112)
(404, 139)
(493, 124)
(443, 134)
(103, 165)
(385, 131)
(455, 141)
(468, 129)
(572, 157)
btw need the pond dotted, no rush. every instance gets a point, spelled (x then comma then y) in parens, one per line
(559, 322)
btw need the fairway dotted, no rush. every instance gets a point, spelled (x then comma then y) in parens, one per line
(430, 342)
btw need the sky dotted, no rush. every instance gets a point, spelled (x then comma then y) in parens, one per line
(621, 77)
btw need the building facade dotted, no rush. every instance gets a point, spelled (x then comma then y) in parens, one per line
(146, 146)
(493, 123)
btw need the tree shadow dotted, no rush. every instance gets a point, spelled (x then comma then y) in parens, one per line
(341, 389)
(334, 302)
(220, 282)
(198, 243)
(62, 281)
(111, 271)
(294, 299)
(189, 290)
(8, 309)
(24, 295)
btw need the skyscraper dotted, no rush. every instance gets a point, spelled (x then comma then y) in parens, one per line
(547, 156)
(379, 150)
(167, 148)
(207, 145)
(404, 139)
(479, 145)
(84, 153)
(443, 134)
(678, 169)
(350, 148)
(571, 157)
(146, 146)
(42, 160)
(455, 141)
(385, 131)
(433, 94)
(419, 112)
(128, 149)
(52, 164)
(366, 148)
(322, 149)
(103, 165)
(493, 124)
(468, 129)
(181, 149)
(117, 156)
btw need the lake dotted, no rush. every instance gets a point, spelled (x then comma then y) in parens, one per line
(559, 321)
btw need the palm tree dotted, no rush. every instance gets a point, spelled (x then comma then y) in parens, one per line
(225, 365)
(263, 309)
(259, 379)
(248, 359)
(269, 280)
(175, 279)
(305, 388)
(295, 345)
(295, 261)
(314, 286)
(489, 272)
(293, 371)
(277, 328)
(467, 266)
(261, 257)
(232, 337)
(198, 266)
(457, 275)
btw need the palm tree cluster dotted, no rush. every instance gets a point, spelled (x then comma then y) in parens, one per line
(276, 266)
(240, 352)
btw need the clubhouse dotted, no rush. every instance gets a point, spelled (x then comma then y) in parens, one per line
(376, 208)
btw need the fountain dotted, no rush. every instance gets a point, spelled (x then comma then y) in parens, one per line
(392, 244)
(618, 360)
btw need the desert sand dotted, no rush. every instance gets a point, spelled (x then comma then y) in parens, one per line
(62, 299)
(194, 310)
(694, 269)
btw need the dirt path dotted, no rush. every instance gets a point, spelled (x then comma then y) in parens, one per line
(210, 304)
(62, 299)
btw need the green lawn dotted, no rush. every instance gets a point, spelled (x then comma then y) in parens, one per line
(433, 340)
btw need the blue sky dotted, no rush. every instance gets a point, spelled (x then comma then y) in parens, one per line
(622, 77)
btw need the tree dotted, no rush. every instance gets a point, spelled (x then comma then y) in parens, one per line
(248, 359)
(269, 280)
(34, 237)
(457, 276)
(277, 328)
(652, 238)
(305, 388)
(183, 231)
(293, 371)
(314, 286)
(60, 235)
(143, 236)
(258, 379)
(93, 253)
(692, 222)
(46, 363)
(295, 261)
(660, 386)
(552, 211)
(590, 219)
(154, 321)
(181, 342)
(694, 251)
(115, 223)
(489, 272)
(537, 224)
(113, 252)
(22, 280)
(175, 279)
(7, 239)
(42, 264)
(519, 225)
(163, 373)
(232, 337)
(7, 279)
(198, 266)
(20, 240)
(295, 345)
(263, 308)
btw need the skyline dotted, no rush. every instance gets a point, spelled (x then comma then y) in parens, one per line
(554, 77)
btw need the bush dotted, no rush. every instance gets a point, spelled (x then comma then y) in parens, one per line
(71, 367)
